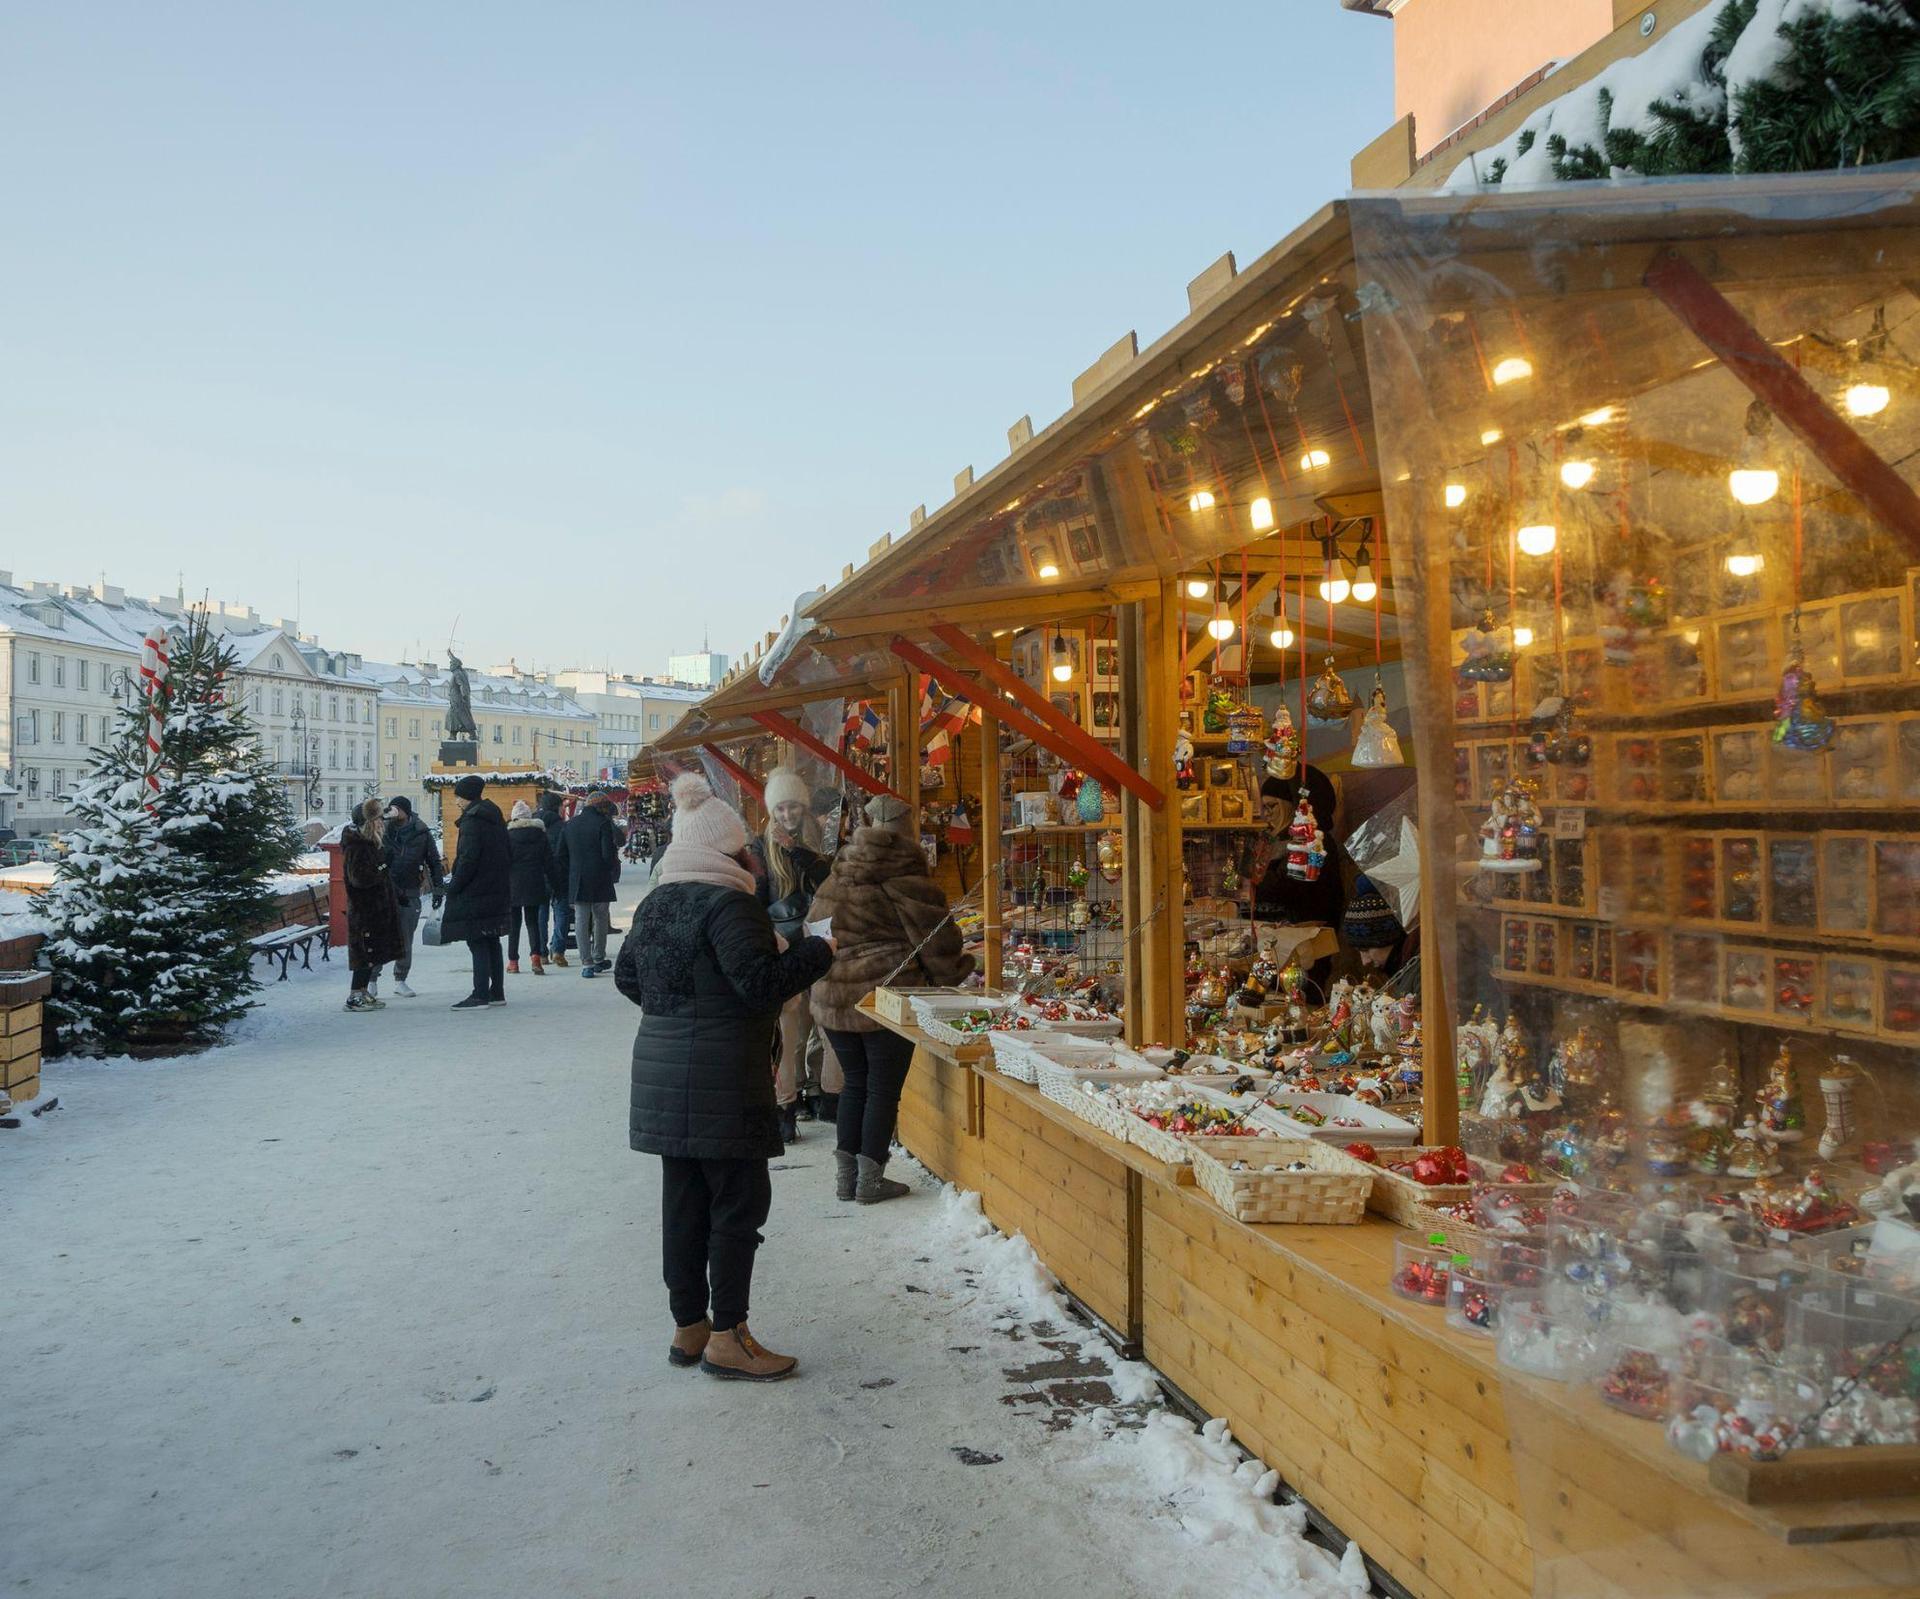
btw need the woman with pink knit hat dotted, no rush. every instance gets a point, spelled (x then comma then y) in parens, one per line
(703, 963)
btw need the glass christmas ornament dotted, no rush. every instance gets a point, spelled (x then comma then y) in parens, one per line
(1510, 836)
(1091, 801)
(1112, 854)
(1079, 913)
(1219, 706)
(1283, 746)
(1306, 844)
(1630, 605)
(1377, 744)
(1782, 1109)
(1328, 700)
(1488, 652)
(1798, 721)
(1076, 875)
(1836, 1089)
(1244, 727)
(1230, 878)
(1183, 758)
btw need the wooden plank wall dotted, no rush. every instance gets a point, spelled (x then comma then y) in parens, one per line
(936, 1115)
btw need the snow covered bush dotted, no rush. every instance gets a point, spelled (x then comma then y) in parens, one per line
(1741, 86)
(153, 903)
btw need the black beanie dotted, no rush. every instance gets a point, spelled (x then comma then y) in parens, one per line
(470, 787)
(400, 802)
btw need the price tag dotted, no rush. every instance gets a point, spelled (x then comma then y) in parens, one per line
(1612, 904)
(1569, 822)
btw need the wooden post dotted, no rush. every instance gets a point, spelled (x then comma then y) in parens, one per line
(1431, 668)
(906, 744)
(1135, 900)
(1164, 898)
(992, 843)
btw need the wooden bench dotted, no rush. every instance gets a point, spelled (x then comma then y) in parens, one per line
(292, 938)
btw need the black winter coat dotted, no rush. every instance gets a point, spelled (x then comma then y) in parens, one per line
(701, 963)
(556, 825)
(411, 850)
(479, 894)
(590, 856)
(530, 861)
(373, 914)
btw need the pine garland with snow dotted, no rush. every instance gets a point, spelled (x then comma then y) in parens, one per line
(153, 903)
(1745, 86)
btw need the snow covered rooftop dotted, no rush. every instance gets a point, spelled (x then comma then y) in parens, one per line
(405, 683)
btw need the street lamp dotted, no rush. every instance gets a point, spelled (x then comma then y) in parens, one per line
(305, 751)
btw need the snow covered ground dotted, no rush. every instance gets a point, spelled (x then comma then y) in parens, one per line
(368, 1305)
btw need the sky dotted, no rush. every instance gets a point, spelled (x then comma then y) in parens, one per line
(576, 332)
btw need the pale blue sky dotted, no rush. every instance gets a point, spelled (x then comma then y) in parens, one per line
(591, 323)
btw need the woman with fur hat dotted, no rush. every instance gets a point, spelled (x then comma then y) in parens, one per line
(709, 974)
(790, 867)
(530, 864)
(890, 924)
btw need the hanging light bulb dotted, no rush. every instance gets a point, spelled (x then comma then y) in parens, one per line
(1200, 500)
(1044, 563)
(1492, 436)
(1576, 474)
(1601, 417)
(1455, 495)
(1334, 587)
(1744, 562)
(1866, 393)
(1365, 586)
(1753, 481)
(1313, 460)
(1522, 637)
(1511, 370)
(1537, 538)
(1262, 509)
(1281, 638)
(1062, 661)
(1220, 629)
(1198, 588)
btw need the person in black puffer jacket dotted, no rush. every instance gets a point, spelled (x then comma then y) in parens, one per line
(413, 862)
(530, 865)
(590, 856)
(480, 892)
(709, 974)
(559, 907)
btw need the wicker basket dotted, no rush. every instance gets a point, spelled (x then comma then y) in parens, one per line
(1061, 1082)
(1334, 1189)
(1020, 1055)
(1400, 1198)
(1098, 1111)
(896, 1004)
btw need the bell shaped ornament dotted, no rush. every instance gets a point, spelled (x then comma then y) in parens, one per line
(1328, 699)
(1377, 744)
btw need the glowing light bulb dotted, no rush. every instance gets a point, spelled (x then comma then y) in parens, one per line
(1598, 418)
(1867, 399)
(1048, 569)
(1576, 474)
(1062, 670)
(1745, 563)
(1537, 539)
(1492, 436)
(1455, 495)
(1522, 637)
(1364, 584)
(1753, 485)
(1198, 588)
(1200, 500)
(1281, 638)
(1334, 589)
(1313, 460)
(1512, 370)
(1262, 514)
(1044, 563)
(1220, 629)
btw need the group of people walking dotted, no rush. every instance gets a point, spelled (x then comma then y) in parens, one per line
(719, 959)
(537, 873)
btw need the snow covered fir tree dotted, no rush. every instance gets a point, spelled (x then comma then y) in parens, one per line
(166, 874)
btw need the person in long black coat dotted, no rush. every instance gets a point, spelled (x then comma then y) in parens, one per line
(531, 882)
(559, 907)
(703, 963)
(373, 912)
(590, 856)
(480, 892)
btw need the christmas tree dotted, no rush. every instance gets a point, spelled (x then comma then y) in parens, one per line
(166, 874)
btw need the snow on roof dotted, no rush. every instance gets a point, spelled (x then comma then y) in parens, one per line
(404, 683)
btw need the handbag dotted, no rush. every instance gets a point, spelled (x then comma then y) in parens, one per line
(430, 927)
(789, 915)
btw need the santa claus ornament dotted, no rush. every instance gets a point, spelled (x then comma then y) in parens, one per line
(1283, 747)
(1306, 844)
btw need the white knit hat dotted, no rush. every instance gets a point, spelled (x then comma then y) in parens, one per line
(701, 819)
(784, 784)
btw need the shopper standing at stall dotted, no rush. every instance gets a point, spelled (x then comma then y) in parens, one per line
(789, 868)
(531, 881)
(480, 892)
(373, 914)
(709, 975)
(590, 856)
(559, 907)
(890, 925)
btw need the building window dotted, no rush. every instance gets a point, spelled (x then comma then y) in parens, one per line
(516, 732)
(393, 727)
(80, 727)
(59, 680)
(366, 753)
(333, 707)
(33, 666)
(33, 782)
(279, 662)
(85, 664)
(314, 709)
(29, 726)
(496, 733)
(393, 765)
(279, 701)
(366, 712)
(653, 722)
(59, 782)
(413, 766)
(333, 794)
(413, 727)
(59, 726)
(333, 752)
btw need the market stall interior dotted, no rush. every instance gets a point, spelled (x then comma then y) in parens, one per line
(1430, 750)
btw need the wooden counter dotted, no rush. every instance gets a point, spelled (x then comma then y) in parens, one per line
(1457, 1478)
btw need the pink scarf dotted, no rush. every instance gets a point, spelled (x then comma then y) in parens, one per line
(700, 863)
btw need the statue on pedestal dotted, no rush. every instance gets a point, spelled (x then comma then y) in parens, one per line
(460, 720)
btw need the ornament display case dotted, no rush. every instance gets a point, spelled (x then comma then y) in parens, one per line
(1739, 756)
(1746, 652)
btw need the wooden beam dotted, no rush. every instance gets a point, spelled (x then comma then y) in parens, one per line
(1015, 610)
(1135, 900)
(991, 845)
(1257, 591)
(905, 745)
(1163, 945)
(1071, 740)
(1711, 318)
(794, 733)
(737, 772)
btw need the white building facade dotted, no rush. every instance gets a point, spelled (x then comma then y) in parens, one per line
(631, 712)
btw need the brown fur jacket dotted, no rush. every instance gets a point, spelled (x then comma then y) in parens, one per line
(883, 904)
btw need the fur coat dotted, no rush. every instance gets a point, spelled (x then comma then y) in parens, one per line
(883, 905)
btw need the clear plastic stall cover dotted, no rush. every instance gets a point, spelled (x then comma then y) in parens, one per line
(1648, 453)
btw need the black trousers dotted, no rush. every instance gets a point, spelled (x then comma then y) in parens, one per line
(362, 975)
(711, 1213)
(527, 916)
(875, 1065)
(489, 967)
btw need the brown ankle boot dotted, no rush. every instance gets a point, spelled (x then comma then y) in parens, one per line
(558, 960)
(538, 969)
(738, 1355)
(690, 1343)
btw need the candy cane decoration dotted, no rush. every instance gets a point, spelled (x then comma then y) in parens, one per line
(155, 667)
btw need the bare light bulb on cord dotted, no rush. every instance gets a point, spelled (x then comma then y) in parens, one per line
(1576, 474)
(1455, 495)
(1754, 480)
(1198, 588)
(1537, 538)
(1220, 629)
(1262, 514)
(1062, 661)
(1281, 638)
(1866, 393)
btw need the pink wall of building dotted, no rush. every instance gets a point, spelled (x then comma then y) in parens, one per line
(1452, 58)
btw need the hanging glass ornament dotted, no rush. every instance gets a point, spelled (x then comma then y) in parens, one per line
(1233, 379)
(1219, 706)
(1798, 722)
(1283, 746)
(1306, 844)
(1076, 874)
(1328, 699)
(1230, 878)
(1510, 836)
(1079, 913)
(1091, 801)
(1489, 652)
(1183, 758)
(1244, 727)
(1068, 785)
(1378, 744)
(1113, 856)
(1630, 606)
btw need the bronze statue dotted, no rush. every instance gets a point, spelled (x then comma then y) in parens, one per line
(459, 701)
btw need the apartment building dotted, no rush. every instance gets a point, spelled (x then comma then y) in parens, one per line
(631, 711)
